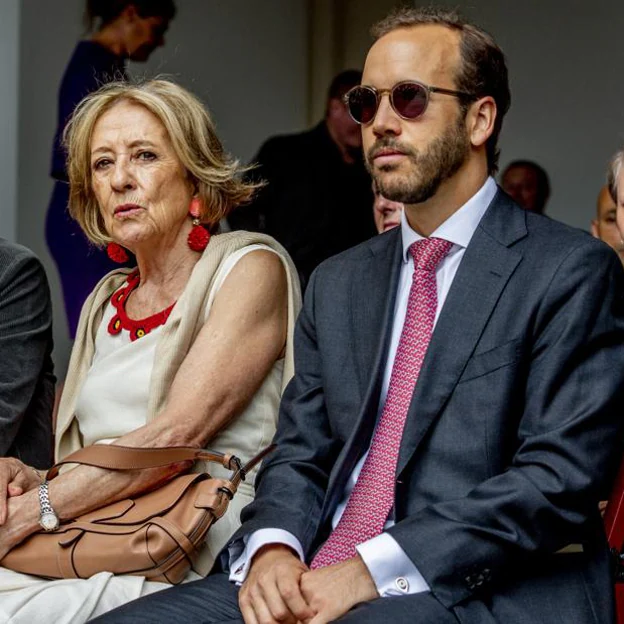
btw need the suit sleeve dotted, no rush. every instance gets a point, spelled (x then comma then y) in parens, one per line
(25, 326)
(568, 442)
(291, 486)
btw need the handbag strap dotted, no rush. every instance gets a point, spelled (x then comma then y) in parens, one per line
(115, 457)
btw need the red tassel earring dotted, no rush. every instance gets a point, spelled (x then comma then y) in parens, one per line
(117, 253)
(199, 235)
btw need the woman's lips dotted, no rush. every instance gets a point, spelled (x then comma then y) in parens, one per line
(127, 210)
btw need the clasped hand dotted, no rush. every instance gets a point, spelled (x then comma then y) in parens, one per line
(280, 588)
(15, 479)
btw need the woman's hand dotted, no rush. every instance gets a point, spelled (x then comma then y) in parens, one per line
(15, 479)
(21, 521)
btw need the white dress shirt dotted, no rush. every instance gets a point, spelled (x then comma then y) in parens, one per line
(392, 570)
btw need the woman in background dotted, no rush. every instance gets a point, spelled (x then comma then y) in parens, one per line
(127, 30)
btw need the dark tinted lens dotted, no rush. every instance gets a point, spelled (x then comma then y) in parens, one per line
(409, 100)
(362, 103)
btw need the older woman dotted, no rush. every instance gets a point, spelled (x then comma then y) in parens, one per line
(191, 348)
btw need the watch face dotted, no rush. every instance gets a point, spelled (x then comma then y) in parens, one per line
(49, 521)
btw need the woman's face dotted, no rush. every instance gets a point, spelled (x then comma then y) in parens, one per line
(140, 185)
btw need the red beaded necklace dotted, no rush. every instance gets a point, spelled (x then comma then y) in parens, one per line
(120, 320)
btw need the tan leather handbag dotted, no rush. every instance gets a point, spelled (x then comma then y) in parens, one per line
(157, 535)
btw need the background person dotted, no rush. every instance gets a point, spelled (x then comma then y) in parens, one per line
(190, 349)
(387, 213)
(126, 30)
(527, 184)
(316, 187)
(605, 226)
(26, 369)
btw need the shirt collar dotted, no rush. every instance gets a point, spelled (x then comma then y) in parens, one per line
(460, 226)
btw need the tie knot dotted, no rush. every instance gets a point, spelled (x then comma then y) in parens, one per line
(429, 252)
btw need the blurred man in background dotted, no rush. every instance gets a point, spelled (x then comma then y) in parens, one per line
(527, 184)
(317, 193)
(387, 213)
(604, 226)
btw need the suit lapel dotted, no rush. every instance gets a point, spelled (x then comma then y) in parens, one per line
(485, 269)
(372, 299)
(373, 295)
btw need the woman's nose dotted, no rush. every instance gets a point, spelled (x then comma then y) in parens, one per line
(121, 178)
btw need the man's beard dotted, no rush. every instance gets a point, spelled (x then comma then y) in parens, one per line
(442, 159)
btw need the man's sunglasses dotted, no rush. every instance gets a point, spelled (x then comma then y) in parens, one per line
(408, 99)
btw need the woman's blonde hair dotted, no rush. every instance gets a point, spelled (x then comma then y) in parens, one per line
(217, 176)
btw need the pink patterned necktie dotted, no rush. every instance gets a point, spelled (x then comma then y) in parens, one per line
(372, 497)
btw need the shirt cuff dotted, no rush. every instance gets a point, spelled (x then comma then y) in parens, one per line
(393, 572)
(242, 551)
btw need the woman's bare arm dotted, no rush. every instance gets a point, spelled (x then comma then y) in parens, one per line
(242, 338)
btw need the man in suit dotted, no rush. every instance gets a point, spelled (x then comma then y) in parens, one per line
(456, 407)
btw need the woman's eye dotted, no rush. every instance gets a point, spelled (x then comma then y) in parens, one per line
(101, 164)
(146, 156)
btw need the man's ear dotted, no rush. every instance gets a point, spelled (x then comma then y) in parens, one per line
(594, 228)
(334, 107)
(480, 119)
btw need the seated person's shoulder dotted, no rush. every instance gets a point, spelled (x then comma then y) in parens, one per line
(377, 244)
(257, 267)
(16, 258)
(252, 276)
(559, 240)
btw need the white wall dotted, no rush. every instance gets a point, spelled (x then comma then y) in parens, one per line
(246, 59)
(9, 70)
(48, 32)
(565, 62)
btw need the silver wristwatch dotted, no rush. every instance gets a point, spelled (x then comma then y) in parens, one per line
(48, 519)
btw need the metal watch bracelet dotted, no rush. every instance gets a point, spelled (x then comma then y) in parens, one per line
(48, 519)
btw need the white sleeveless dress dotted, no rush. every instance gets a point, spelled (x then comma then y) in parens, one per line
(112, 402)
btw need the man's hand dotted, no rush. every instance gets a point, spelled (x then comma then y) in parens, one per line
(271, 592)
(333, 590)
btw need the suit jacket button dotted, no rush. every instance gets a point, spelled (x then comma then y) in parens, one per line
(402, 584)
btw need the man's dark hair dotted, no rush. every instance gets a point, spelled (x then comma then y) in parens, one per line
(543, 181)
(108, 10)
(483, 70)
(344, 81)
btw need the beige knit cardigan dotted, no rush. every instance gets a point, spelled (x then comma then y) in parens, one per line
(179, 332)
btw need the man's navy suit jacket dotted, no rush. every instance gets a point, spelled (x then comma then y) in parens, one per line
(513, 430)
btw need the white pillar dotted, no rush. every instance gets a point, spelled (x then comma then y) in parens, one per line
(9, 70)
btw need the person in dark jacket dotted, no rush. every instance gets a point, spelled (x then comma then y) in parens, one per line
(26, 370)
(318, 193)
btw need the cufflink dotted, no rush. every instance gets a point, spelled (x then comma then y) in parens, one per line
(402, 584)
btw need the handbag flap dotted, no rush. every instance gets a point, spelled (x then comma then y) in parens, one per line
(109, 512)
(146, 506)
